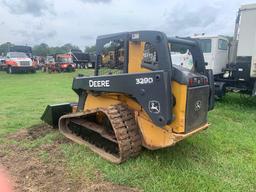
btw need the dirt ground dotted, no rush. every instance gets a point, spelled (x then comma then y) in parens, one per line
(29, 173)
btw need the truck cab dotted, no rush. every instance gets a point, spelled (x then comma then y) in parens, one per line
(64, 62)
(216, 52)
(18, 62)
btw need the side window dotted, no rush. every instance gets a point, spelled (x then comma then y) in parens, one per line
(205, 45)
(150, 58)
(222, 44)
(112, 58)
(181, 55)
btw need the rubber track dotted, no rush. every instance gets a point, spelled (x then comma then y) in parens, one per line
(124, 126)
(127, 131)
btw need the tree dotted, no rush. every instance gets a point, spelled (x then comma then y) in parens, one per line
(54, 50)
(90, 49)
(69, 46)
(5, 47)
(41, 50)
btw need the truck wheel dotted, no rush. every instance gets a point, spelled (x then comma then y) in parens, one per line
(220, 90)
(69, 69)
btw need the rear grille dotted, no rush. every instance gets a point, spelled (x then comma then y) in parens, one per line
(24, 63)
(197, 107)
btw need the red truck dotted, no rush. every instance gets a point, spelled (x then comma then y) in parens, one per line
(59, 63)
(64, 62)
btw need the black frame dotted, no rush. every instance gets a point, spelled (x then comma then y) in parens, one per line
(156, 38)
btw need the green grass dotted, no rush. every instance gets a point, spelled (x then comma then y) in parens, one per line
(222, 158)
(23, 97)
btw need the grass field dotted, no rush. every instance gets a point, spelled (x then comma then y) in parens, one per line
(222, 158)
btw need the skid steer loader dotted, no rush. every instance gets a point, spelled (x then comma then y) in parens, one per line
(140, 100)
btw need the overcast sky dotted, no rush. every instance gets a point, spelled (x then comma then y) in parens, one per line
(57, 22)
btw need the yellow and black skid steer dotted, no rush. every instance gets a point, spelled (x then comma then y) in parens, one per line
(143, 99)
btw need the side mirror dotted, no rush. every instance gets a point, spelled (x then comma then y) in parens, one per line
(206, 63)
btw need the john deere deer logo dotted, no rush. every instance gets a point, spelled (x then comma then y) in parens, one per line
(154, 106)
(198, 105)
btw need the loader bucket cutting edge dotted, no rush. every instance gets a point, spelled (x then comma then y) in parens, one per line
(52, 113)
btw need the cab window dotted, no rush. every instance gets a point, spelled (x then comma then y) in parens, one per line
(222, 44)
(205, 45)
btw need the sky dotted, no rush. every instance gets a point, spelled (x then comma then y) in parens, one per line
(56, 22)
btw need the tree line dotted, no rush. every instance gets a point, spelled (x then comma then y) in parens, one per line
(44, 49)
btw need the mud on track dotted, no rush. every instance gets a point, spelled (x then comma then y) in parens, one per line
(31, 173)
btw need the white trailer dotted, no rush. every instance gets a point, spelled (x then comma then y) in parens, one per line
(253, 66)
(245, 34)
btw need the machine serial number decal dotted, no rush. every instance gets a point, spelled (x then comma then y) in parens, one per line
(145, 80)
(135, 36)
(102, 83)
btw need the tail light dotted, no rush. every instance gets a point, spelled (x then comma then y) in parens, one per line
(197, 81)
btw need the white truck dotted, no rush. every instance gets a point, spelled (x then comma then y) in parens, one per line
(18, 62)
(215, 50)
(233, 62)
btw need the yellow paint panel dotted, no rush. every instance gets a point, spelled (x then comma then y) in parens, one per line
(104, 101)
(136, 50)
(153, 136)
(180, 93)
